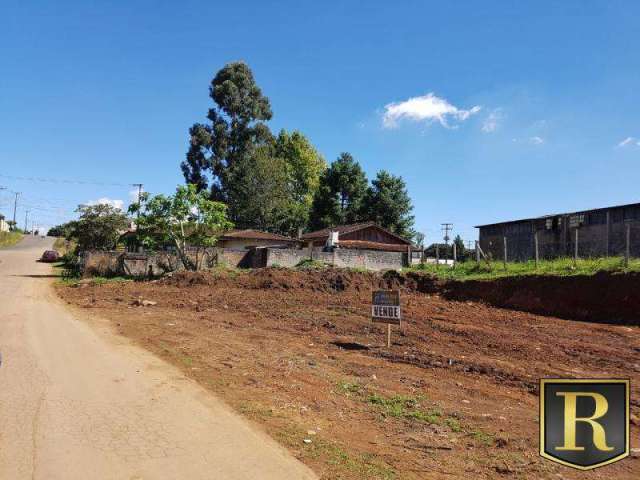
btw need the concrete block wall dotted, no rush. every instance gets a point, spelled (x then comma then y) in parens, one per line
(97, 263)
(345, 258)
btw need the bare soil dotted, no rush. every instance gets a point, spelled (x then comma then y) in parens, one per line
(456, 395)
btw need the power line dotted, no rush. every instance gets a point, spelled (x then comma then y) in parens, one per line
(62, 180)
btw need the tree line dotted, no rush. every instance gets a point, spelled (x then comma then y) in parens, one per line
(281, 183)
(239, 174)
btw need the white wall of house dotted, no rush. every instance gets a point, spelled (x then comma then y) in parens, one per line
(4, 226)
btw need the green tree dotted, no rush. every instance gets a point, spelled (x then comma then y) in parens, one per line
(259, 184)
(303, 167)
(98, 227)
(236, 128)
(341, 194)
(63, 230)
(461, 251)
(442, 249)
(188, 220)
(388, 204)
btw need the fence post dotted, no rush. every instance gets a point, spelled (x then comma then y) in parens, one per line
(575, 250)
(504, 241)
(455, 254)
(535, 243)
(437, 254)
(477, 251)
(627, 246)
(607, 236)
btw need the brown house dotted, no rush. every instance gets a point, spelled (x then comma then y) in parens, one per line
(366, 235)
(247, 239)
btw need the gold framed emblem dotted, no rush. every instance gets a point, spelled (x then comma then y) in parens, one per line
(584, 423)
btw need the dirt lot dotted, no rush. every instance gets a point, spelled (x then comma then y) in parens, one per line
(454, 397)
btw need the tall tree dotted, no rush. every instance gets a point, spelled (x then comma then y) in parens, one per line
(98, 227)
(389, 205)
(236, 128)
(259, 185)
(341, 194)
(303, 166)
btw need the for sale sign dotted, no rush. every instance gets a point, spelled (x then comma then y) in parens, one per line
(385, 307)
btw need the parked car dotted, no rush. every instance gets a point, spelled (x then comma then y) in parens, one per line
(50, 256)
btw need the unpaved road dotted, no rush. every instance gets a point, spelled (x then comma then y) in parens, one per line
(295, 351)
(77, 402)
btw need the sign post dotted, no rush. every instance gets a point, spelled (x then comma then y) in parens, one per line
(385, 308)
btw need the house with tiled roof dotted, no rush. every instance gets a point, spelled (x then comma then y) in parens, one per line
(248, 239)
(365, 236)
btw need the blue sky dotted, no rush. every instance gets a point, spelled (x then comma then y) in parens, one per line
(489, 110)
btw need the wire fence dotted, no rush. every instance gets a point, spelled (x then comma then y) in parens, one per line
(582, 242)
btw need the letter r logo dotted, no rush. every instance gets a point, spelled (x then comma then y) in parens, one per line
(584, 424)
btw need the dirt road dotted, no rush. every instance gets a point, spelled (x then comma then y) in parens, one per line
(77, 402)
(454, 397)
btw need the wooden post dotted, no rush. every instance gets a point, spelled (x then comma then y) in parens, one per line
(455, 253)
(477, 251)
(627, 246)
(437, 254)
(575, 249)
(535, 244)
(607, 235)
(504, 241)
(388, 335)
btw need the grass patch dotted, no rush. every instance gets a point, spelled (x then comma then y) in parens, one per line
(479, 436)
(402, 406)
(349, 388)
(365, 465)
(453, 424)
(8, 239)
(310, 264)
(339, 460)
(74, 281)
(105, 280)
(470, 270)
(255, 410)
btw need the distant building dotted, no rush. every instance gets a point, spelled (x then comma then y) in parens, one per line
(601, 232)
(4, 226)
(366, 236)
(248, 239)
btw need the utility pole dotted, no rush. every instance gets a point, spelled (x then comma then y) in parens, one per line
(26, 218)
(15, 207)
(139, 185)
(446, 228)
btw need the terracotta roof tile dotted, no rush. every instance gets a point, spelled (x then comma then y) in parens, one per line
(255, 235)
(345, 229)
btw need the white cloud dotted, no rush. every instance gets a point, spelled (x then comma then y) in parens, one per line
(536, 140)
(493, 120)
(428, 108)
(107, 201)
(629, 142)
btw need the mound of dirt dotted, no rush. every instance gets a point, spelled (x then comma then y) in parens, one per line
(325, 280)
(604, 297)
